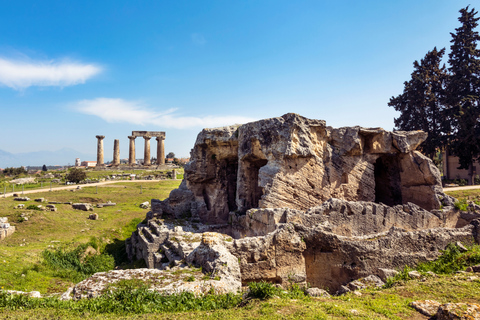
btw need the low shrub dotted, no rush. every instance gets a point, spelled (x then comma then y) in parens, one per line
(262, 290)
(33, 207)
(76, 264)
(461, 205)
(452, 260)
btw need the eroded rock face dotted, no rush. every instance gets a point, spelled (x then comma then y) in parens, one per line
(299, 163)
(289, 199)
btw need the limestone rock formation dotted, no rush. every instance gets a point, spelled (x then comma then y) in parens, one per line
(292, 200)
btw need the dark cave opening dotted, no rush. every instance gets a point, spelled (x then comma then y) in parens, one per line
(387, 180)
(254, 191)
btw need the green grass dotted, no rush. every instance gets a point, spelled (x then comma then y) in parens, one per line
(21, 253)
(45, 183)
(465, 195)
(132, 301)
(68, 230)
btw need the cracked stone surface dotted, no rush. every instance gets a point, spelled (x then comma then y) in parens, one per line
(290, 199)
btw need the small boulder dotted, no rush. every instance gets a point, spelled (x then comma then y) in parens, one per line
(461, 247)
(93, 216)
(40, 200)
(414, 274)
(384, 274)
(317, 292)
(67, 295)
(473, 268)
(82, 206)
(342, 290)
(145, 205)
(21, 199)
(426, 307)
(450, 311)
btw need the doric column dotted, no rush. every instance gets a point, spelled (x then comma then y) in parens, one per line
(100, 151)
(146, 157)
(160, 150)
(116, 152)
(131, 151)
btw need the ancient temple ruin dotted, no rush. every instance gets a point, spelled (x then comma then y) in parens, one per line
(147, 135)
(302, 202)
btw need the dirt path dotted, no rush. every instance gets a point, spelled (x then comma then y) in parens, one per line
(461, 188)
(70, 187)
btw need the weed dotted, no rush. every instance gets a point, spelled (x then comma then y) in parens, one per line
(452, 260)
(461, 205)
(33, 207)
(262, 290)
(75, 264)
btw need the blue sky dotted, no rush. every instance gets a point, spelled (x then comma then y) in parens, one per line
(71, 70)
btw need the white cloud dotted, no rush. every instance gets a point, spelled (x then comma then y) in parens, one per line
(23, 74)
(119, 110)
(198, 39)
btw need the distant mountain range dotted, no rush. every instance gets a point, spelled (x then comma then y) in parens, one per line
(63, 156)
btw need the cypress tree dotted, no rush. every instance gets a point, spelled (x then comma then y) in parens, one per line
(420, 104)
(462, 91)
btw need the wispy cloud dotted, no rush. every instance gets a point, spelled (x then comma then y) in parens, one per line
(198, 39)
(19, 75)
(119, 110)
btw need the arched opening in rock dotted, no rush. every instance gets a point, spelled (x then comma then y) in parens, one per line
(231, 183)
(387, 180)
(253, 191)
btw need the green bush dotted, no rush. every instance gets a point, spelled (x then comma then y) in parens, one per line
(452, 260)
(262, 290)
(76, 175)
(75, 264)
(461, 205)
(33, 207)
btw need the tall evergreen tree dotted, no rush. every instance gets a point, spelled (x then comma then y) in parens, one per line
(462, 91)
(420, 104)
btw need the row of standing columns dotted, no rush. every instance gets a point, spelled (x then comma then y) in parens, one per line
(131, 151)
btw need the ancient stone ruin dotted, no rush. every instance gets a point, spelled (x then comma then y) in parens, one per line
(290, 199)
(5, 228)
(147, 135)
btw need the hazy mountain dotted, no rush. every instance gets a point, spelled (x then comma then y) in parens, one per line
(38, 158)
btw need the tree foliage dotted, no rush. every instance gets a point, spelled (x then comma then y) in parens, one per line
(463, 89)
(420, 104)
(76, 175)
(44, 168)
(14, 171)
(446, 103)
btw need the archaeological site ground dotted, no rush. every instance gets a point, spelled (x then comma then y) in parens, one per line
(337, 219)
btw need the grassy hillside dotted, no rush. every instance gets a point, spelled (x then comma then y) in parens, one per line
(20, 253)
